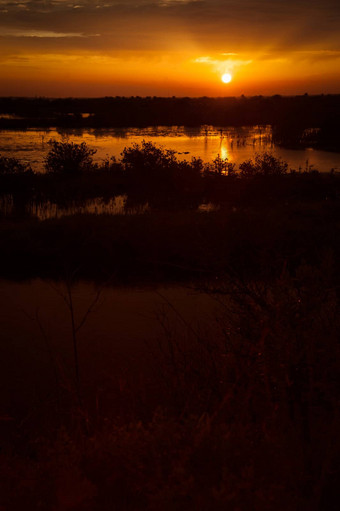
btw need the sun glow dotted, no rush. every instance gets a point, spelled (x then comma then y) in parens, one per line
(226, 78)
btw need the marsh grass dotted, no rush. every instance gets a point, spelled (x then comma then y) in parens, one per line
(242, 415)
(171, 246)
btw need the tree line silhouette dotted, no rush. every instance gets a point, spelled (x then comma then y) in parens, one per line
(290, 116)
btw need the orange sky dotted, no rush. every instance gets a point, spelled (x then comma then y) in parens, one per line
(174, 47)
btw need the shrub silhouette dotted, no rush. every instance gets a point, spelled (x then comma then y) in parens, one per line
(9, 166)
(221, 166)
(164, 176)
(68, 157)
(110, 164)
(148, 159)
(264, 165)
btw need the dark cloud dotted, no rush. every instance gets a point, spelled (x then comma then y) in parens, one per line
(214, 22)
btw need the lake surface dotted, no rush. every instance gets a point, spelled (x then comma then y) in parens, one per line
(236, 144)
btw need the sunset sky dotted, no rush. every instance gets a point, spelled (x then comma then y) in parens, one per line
(169, 47)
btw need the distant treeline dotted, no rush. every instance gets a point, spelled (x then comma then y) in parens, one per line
(290, 117)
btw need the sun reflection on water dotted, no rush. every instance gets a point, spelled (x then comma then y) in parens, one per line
(224, 153)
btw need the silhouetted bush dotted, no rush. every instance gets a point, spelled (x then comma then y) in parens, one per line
(265, 165)
(110, 164)
(221, 166)
(10, 166)
(148, 159)
(68, 157)
(166, 181)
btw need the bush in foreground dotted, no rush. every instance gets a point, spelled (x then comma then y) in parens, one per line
(10, 166)
(264, 165)
(69, 158)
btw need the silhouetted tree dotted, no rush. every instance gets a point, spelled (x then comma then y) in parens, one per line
(264, 165)
(147, 158)
(222, 166)
(68, 157)
(9, 166)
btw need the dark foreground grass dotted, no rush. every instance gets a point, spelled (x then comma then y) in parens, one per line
(175, 246)
(242, 417)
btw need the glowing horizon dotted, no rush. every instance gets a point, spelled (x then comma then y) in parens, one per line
(169, 48)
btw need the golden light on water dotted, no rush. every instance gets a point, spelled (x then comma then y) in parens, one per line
(226, 78)
(224, 152)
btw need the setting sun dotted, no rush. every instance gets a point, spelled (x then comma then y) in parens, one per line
(226, 78)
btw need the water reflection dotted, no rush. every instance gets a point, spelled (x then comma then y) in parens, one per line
(46, 210)
(237, 144)
(224, 151)
(208, 207)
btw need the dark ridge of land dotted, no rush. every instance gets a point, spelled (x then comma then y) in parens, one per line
(290, 117)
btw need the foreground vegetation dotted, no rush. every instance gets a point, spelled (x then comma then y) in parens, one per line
(151, 175)
(241, 416)
(244, 416)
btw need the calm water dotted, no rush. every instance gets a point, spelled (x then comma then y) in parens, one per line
(236, 144)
